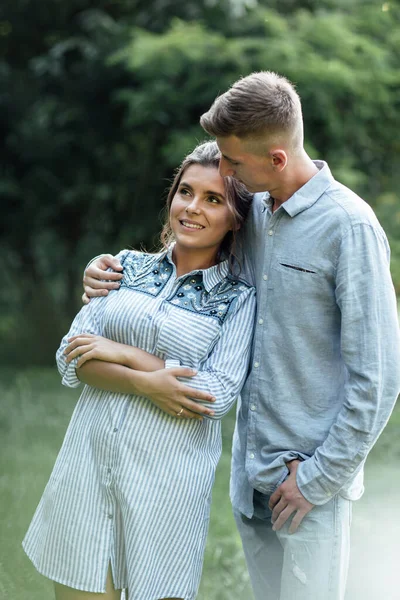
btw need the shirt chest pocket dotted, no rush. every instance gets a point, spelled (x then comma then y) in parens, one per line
(295, 280)
(187, 336)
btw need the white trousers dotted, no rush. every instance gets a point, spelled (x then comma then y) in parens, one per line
(311, 564)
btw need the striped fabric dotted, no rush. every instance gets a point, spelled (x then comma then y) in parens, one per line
(132, 485)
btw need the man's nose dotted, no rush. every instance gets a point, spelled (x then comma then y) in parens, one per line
(225, 169)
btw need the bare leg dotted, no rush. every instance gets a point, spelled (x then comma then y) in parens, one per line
(66, 593)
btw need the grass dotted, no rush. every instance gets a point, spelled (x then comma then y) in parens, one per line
(35, 410)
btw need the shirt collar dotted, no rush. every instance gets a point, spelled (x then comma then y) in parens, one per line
(309, 193)
(211, 276)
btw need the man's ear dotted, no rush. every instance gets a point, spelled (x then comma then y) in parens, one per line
(279, 159)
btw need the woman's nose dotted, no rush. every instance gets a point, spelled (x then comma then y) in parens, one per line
(193, 207)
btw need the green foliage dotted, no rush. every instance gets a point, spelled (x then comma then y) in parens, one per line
(388, 211)
(100, 101)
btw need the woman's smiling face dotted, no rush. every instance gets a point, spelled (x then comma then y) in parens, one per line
(200, 216)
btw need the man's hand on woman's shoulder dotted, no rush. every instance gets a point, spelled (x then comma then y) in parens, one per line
(95, 275)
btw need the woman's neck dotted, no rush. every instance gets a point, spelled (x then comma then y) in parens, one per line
(187, 261)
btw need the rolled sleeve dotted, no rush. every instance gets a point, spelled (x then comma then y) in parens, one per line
(224, 371)
(88, 320)
(370, 348)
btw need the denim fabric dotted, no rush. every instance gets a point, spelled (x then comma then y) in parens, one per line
(311, 564)
(326, 352)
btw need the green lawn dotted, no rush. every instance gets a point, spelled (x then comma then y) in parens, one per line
(35, 410)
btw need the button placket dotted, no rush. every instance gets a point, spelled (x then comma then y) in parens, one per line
(271, 228)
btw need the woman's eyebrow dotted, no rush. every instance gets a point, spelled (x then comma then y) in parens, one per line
(211, 193)
(185, 184)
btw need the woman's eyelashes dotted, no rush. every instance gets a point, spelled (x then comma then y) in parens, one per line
(211, 199)
(185, 191)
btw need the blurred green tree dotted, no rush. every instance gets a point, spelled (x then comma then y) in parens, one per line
(100, 101)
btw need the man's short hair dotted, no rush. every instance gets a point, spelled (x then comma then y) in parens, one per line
(261, 104)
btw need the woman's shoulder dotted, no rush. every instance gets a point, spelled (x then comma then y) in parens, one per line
(136, 259)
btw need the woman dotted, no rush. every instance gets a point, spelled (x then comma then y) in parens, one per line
(127, 504)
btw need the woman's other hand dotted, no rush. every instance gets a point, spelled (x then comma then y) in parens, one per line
(87, 347)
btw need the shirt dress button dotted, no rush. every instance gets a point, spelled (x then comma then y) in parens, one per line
(270, 232)
(256, 365)
(265, 277)
(253, 407)
(260, 321)
(251, 455)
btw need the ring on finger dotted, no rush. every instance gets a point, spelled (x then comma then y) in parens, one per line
(179, 414)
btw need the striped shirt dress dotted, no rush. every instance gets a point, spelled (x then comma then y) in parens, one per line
(131, 486)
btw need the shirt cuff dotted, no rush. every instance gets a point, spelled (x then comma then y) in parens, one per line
(172, 363)
(92, 261)
(70, 378)
(312, 484)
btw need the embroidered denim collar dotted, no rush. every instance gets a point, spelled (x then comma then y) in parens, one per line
(211, 276)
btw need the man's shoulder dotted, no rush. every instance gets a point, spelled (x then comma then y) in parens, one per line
(349, 208)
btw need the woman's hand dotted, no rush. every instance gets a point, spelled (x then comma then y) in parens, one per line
(172, 396)
(88, 347)
(161, 386)
(95, 274)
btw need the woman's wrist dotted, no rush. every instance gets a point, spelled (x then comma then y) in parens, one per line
(127, 356)
(140, 383)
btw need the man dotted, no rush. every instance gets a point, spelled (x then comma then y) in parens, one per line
(326, 351)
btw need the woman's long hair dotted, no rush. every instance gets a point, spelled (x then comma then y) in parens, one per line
(239, 200)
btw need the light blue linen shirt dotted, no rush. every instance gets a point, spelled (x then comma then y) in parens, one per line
(326, 352)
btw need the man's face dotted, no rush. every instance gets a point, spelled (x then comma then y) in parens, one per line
(255, 171)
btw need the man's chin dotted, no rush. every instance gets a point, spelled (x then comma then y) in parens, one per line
(253, 189)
